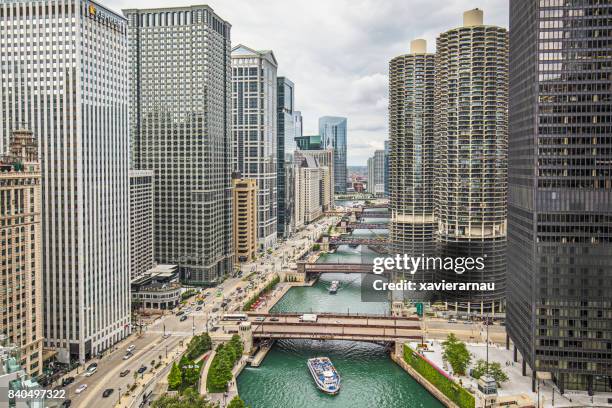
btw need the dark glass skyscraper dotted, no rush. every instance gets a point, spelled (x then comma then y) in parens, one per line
(285, 135)
(560, 190)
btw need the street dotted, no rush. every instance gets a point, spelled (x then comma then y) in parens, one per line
(151, 344)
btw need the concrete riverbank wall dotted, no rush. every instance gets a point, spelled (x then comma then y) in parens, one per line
(399, 360)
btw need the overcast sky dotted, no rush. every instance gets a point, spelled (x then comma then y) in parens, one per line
(337, 51)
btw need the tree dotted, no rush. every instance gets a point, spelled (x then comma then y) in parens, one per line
(175, 378)
(188, 399)
(495, 371)
(236, 402)
(456, 353)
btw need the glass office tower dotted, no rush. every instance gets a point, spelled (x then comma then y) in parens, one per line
(333, 136)
(180, 129)
(254, 110)
(560, 190)
(285, 145)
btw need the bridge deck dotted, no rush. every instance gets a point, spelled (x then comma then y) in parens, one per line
(338, 327)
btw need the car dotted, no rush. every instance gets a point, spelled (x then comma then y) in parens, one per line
(91, 372)
(131, 348)
(127, 355)
(81, 388)
(183, 318)
(198, 308)
(180, 312)
(67, 403)
(260, 318)
(124, 373)
(107, 392)
(67, 381)
(142, 369)
(452, 320)
(92, 366)
(274, 319)
(165, 336)
(215, 309)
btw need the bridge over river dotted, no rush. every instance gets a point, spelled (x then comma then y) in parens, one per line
(335, 326)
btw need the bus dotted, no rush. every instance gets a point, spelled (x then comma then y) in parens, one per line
(235, 317)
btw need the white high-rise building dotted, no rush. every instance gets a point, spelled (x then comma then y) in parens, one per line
(254, 102)
(64, 76)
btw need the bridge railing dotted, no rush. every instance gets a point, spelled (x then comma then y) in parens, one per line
(331, 314)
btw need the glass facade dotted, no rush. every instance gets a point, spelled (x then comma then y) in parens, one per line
(180, 82)
(284, 146)
(254, 110)
(560, 190)
(333, 136)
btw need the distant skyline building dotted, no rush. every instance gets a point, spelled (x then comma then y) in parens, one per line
(324, 158)
(65, 77)
(310, 181)
(412, 228)
(376, 174)
(559, 313)
(180, 128)
(141, 222)
(471, 139)
(333, 132)
(308, 142)
(285, 145)
(21, 297)
(299, 130)
(254, 109)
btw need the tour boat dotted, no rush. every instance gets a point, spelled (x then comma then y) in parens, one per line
(334, 287)
(325, 375)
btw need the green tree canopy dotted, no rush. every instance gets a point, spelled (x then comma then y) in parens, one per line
(456, 353)
(175, 378)
(236, 402)
(495, 371)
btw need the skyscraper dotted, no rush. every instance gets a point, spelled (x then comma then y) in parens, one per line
(180, 128)
(21, 297)
(141, 222)
(254, 102)
(376, 173)
(285, 143)
(411, 153)
(333, 136)
(71, 90)
(312, 142)
(560, 191)
(386, 172)
(324, 158)
(471, 134)
(245, 219)
(299, 130)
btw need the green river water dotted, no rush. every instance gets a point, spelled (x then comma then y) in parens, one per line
(369, 378)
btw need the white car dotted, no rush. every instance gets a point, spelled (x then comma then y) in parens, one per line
(81, 388)
(91, 372)
(127, 355)
(131, 348)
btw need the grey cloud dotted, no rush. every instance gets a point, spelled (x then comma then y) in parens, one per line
(337, 51)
